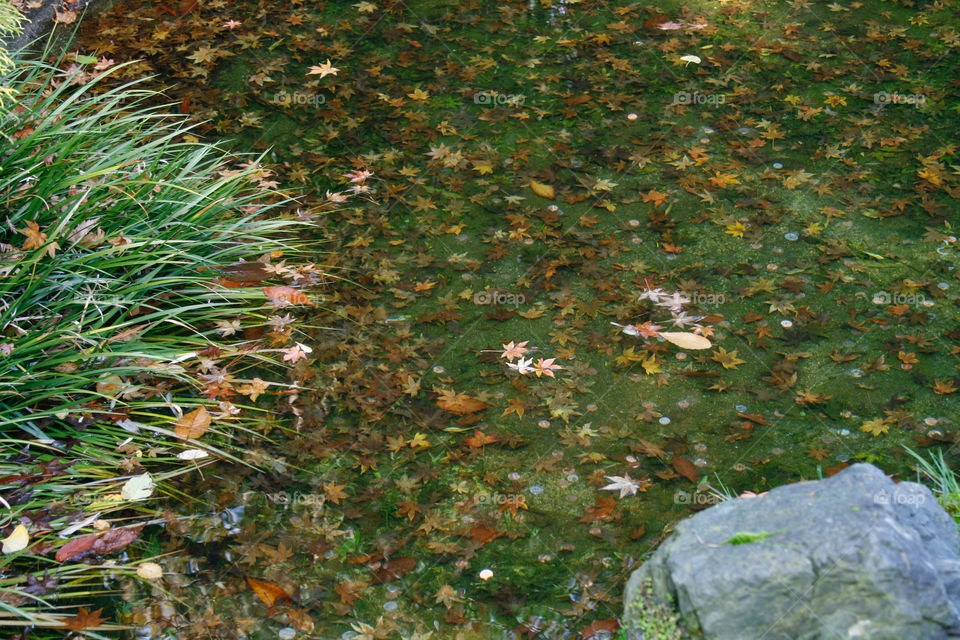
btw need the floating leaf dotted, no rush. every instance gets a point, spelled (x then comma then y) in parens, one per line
(543, 190)
(685, 339)
(138, 487)
(150, 571)
(16, 541)
(192, 454)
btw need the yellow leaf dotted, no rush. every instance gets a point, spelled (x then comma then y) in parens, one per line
(16, 541)
(543, 190)
(150, 571)
(685, 339)
(651, 366)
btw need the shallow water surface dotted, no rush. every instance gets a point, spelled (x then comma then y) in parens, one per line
(579, 177)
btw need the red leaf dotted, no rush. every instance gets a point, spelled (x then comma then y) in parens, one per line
(479, 439)
(282, 296)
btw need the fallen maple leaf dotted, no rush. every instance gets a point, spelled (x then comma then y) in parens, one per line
(84, 620)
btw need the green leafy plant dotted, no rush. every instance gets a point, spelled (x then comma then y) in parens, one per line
(648, 619)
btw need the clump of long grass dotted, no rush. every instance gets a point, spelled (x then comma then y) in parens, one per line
(943, 480)
(114, 321)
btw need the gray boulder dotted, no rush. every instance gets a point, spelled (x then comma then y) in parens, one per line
(851, 556)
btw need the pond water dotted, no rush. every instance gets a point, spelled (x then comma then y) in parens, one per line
(577, 178)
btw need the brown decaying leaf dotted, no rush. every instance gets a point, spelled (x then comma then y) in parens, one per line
(394, 569)
(101, 543)
(686, 468)
(193, 424)
(461, 404)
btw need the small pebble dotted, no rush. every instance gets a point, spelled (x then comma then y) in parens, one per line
(786, 324)
(287, 633)
(930, 422)
(544, 424)
(842, 457)
(683, 404)
(791, 236)
(633, 222)
(486, 574)
(664, 420)
(700, 447)
(513, 475)
(943, 285)
(439, 369)
(856, 373)
(536, 489)
(631, 116)
(573, 477)
(390, 605)
(843, 432)
(741, 408)
(700, 462)
(777, 165)
(681, 355)
(772, 267)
